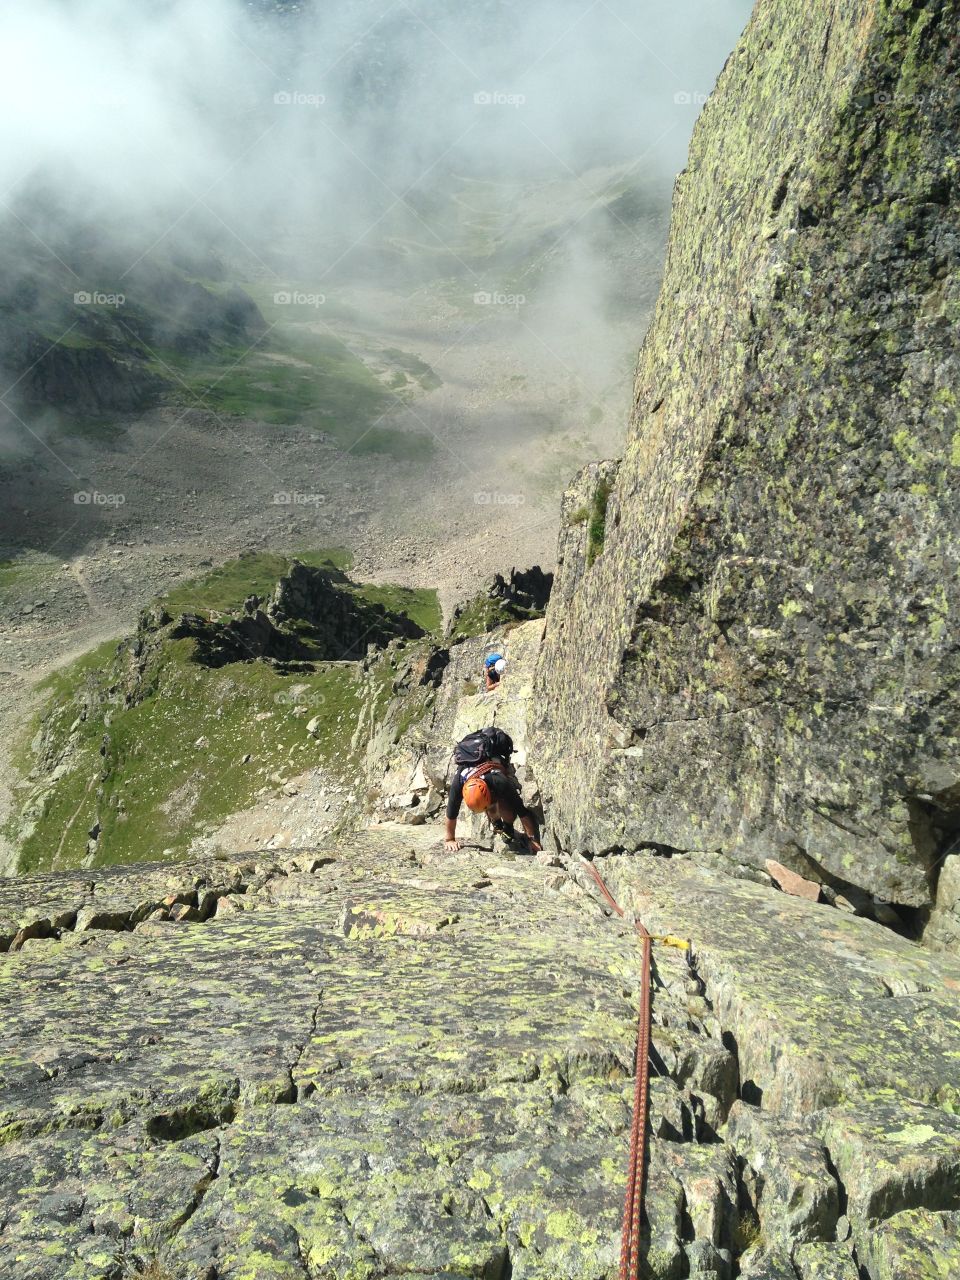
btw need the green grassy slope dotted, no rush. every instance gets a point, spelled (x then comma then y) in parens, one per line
(193, 744)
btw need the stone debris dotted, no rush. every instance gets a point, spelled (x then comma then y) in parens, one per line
(790, 882)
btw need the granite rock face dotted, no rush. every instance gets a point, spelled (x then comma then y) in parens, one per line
(846, 1125)
(762, 658)
(357, 1067)
(375, 1059)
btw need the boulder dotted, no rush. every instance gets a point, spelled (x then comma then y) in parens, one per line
(893, 1156)
(914, 1244)
(943, 929)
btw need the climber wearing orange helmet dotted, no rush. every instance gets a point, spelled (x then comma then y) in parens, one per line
(490, 788)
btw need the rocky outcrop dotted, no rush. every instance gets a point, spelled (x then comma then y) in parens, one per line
(527, 589)
(371, 1058)
(943, 930)
(80, 376)
(315, 615)
(334, 620)
(761, 659)
(247, 638)
(519, 598)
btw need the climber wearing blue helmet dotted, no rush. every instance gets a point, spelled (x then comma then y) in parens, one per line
(494, 665)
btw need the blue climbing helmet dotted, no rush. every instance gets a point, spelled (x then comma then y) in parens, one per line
(492, 659)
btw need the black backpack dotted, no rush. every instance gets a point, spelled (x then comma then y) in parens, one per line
(485, 744)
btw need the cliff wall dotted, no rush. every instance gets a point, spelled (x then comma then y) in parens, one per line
(754, 651)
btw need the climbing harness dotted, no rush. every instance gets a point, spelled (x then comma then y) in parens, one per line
(633, 1202)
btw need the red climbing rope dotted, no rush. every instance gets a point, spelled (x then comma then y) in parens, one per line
(633, 1203)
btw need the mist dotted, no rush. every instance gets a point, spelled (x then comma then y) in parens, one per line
(484, 186)
(342, 124)
(279, 278)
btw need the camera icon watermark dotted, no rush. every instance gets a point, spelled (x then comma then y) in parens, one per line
(687, 98)
(296, 298)
(497, 98)
(484, 298)
(290, 498)
(494, 498)
(93, 498)
(95, 298)
(295, 98)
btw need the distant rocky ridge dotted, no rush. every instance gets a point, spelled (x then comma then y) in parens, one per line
(762, 661)
(518, 598)
(311, 618)
(161, 719)
(86, 331)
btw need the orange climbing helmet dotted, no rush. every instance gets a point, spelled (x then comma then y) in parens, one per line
(476, 794)
(476, 790)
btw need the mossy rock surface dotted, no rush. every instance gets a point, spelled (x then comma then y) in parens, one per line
(370, 1058)
(761, 659)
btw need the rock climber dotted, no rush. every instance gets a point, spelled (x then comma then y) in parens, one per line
(494, 665)
(486, 782)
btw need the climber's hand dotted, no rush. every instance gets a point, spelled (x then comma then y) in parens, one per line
(452, 846)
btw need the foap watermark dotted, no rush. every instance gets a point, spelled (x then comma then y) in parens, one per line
(296, 298)
(94, 498)
(494, 498)
(485, 299)
(293, 499)
(300, 698)
(497, 98)
(296, 98)
(690, 98)
(95, 298)
(936, 99)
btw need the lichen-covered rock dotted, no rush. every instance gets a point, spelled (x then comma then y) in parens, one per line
(762, 659)
(821, 1008)
(894, 1155)
(943, 931)
(916, 1243)
(379, 1066)
(847, 1046)
(818, 1261)
(797, 1197)
(396, 1061)
(119, 898)
(763, 1265)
